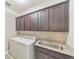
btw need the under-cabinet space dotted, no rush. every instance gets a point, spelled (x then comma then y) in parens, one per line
(56, 55)
(42, 53)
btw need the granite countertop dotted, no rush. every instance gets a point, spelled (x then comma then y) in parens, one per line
(67, 50)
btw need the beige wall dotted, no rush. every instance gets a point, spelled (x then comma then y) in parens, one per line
(59, 37)
(10, 27)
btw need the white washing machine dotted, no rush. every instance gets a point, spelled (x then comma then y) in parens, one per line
(22, 47)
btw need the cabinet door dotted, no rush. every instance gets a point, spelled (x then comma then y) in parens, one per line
(60, 57)
(27, 22)
(34, 21)
(43, 20)
(56, 55)
(53, 57)
(17, 24)
(40, 55)
(22, 23)
(57, 18)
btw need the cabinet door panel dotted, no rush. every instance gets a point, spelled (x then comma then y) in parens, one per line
(67, 17)
(53, 57)
(40, 55)
(43, 22)
(17, 24)
(57, 18)
(34, 21)
(27, 22)
(41, 50)
(22, 23)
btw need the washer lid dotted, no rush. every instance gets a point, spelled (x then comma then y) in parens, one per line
(24, 40)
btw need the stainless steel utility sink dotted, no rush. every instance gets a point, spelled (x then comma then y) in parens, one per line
(52, 45)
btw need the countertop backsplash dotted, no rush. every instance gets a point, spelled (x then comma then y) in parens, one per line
(55, 37)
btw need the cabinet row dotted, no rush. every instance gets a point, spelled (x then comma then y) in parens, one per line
(42, 53)
(54, 18)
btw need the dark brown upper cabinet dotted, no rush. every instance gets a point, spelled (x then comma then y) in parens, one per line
(22, 23)
(43, 20)
(18, 24)
(34, 21)
(54, 18)
(58, 18)
(27, 22)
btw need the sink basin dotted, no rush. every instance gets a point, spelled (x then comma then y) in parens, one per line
(52, 45)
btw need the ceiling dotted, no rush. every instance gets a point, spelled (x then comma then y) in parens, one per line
(20, 6)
